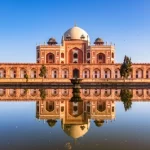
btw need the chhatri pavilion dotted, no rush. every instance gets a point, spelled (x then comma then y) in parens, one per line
(74, 57)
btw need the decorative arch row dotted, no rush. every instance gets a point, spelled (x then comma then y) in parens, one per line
(12, 73)
(65, 73)
(76, 56)
(66, 92)
(97, 73)
(140, 73)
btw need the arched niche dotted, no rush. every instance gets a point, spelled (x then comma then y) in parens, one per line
(50, 58)
(101, 58)
(76, 73)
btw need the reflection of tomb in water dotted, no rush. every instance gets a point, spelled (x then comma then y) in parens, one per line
(12, 92)
(75, 116)
(148, 92)
(139, 92)
(2, 92)
(57, 94)
(33, 92)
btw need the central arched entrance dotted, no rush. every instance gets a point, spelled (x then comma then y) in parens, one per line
(75, 55)
(75, 73)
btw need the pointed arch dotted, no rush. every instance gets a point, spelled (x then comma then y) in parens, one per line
(101, 106)
(54, 73)
(139, 73)
(96, 73)
(55, 92)
(107, 92)
(117, 73)
(75, 108)
(2, 73)
(96, 92)
(86, 73)
(12, 92)
(62, 55)
(50, 106)
(13, 73)
(65, 92)
(23, 92)
(23, 72)
(88, 55)
(76, 73)
(33, 92)
(86, 92)
(33, 73)
(101, 58)
(2, 92)
(139, 92)
(65, 73)
(107, 73)
(50, 58)
(75, 55)
(148, 73)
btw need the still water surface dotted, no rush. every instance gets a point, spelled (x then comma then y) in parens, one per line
(60, 124)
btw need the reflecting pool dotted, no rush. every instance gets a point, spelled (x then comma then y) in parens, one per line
(89, 119)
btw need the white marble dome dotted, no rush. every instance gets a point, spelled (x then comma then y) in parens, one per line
(76, 33)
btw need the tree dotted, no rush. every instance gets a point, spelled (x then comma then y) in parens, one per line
(43, 71)
(126, 96)
(126, 67)
(26, 77)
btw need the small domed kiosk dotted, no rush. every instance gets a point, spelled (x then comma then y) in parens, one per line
(52, 41)
(99, 41)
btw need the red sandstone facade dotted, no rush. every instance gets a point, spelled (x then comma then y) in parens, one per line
(75, 57)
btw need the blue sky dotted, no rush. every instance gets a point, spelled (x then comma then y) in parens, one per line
(23, 23)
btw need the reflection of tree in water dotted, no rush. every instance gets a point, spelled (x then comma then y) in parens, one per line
(99, 123)
(25, 91)
(126, 96)
(51, 122)
(42, 93)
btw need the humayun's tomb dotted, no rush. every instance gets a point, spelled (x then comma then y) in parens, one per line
(74, 57)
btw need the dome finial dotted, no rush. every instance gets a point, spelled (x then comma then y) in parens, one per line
(75, 33)
(75, 24)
